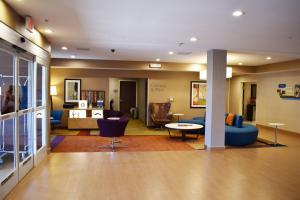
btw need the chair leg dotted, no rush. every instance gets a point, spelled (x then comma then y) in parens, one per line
(112, 144)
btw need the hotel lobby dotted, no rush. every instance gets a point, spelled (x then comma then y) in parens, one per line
(149, 100)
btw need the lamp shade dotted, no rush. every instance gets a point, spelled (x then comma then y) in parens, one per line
(53, 90)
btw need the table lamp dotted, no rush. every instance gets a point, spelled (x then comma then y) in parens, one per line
(53, 92)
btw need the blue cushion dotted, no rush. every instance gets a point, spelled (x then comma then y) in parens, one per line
(235, 136)
(238, 121)
(201, 122)
(55, 122)
(192, 121)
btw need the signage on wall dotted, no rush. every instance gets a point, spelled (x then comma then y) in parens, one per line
(39, 114)
(289, 92)
(82, 104)
(97, 114)
(29, 24)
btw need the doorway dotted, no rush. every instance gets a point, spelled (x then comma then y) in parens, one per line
(249, 101)
(127, 96)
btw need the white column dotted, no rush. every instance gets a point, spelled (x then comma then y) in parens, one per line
(215, 100)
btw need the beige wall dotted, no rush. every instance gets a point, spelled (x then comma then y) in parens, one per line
(87, 83)
(10, 18)
(176, 85)
(269, 106)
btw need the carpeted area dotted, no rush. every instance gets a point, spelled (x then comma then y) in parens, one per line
(134, 127)
(132, 143)
(137, 137)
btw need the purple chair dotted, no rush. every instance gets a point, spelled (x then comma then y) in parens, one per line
(112, 128)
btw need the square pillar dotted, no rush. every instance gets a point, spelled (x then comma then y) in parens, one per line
(215, 99)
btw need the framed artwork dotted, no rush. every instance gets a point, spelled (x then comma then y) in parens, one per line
(72, 90)
(198, 94)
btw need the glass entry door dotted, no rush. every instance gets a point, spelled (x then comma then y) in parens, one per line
(40, 147)
(25, 115)
(8, 118)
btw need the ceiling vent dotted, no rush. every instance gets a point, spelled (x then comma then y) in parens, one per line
(82, 49)
(184, 53)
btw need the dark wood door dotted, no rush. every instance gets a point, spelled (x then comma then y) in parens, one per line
(127, 95)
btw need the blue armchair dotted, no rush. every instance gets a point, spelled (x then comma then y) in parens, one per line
(56, 116)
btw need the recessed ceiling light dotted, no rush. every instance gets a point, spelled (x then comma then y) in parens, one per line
(64, 48)
(240, 63)
(157, 59)
(193, 39)
(72, 56)
(171, 52)
(268, 58)
(238, 13)
(48, 31)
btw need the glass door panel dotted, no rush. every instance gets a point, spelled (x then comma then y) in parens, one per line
(25, 84)
(7, 115)
(7, 89)
(25, 136)
(7, 148)
(40, 128)
(40, 85)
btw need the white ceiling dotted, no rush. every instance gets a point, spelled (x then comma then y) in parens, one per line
(145, 30)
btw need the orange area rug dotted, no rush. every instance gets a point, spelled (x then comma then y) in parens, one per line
(132, 143)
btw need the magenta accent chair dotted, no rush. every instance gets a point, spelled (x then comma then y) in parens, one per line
(112, 128)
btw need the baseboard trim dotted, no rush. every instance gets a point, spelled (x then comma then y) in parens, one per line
(214, 148)
(273, 128)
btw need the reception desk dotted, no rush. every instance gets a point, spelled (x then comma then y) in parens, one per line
(84, 118)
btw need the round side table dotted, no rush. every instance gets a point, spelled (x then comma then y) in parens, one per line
(276, 125)
(178, 115)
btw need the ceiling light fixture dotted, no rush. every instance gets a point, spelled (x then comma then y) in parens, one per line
(72, 56)
(48, 31)
(193, 39)
(268, 58)
(238, 13)
(240, 63)
(171, 52)
(64, 48)
(157, 59)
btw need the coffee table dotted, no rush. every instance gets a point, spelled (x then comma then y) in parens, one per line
(183, 127)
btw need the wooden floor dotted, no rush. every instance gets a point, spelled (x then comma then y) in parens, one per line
(253, 173)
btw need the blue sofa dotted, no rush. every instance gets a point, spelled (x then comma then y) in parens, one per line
(238, 134)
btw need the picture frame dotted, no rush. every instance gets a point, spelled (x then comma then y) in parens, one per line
(72, 92)
(198, 94)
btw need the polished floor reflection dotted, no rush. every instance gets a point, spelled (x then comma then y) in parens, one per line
(255, 173)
